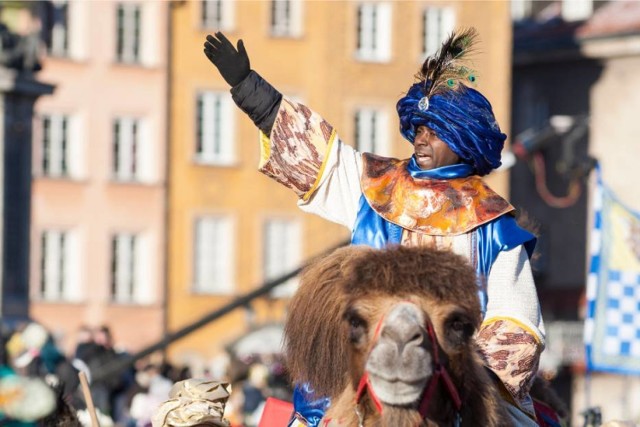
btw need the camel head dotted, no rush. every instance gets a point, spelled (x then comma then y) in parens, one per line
(389, 336)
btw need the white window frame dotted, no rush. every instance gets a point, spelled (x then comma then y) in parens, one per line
(286, 18)
(576, 10)
(371, 127)
(55, 145)
(129, 33)
(127, 269)
(373, 32)
(437, 24)
(215, 140)
(59, 265)
(132, 157)
(281, 253)
(214, 255)
(58, 148)
(60, 40)
(217, 14)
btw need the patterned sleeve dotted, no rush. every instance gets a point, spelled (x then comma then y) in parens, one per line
(295, 151)
(304, 154)
(511, 337)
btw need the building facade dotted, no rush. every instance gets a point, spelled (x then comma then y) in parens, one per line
(99, 156)
(230, 229)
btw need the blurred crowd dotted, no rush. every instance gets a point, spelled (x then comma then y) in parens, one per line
(40, 385)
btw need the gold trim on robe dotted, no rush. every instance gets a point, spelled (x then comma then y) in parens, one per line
(440, 207)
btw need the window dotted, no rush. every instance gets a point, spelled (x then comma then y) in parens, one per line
(576, 10)
(374, 31)
(123, 267)
(286, 18)
(130, 279)
(217, 14)
(59, 43)
(130, 161)
(371, 131)
(55, 145)
(281, 253)
(437, 24)
(59, 280)
(214, 255)
(215, 140)
(128, 33)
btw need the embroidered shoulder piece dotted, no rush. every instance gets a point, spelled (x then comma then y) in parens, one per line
(440, 207)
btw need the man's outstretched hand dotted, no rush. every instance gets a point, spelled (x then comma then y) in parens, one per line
(232, 64)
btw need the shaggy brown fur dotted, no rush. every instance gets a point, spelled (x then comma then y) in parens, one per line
(368, 282)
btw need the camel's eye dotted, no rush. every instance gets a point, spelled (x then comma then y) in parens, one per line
(458, 328)
(457, 325)
(357, 326)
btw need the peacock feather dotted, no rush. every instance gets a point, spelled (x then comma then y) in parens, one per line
(446, 70)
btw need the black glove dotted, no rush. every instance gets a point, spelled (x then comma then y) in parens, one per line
(232, 64)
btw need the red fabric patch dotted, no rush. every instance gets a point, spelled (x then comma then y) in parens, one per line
(277, 413)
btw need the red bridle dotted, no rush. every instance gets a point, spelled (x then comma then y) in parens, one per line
(439, 372)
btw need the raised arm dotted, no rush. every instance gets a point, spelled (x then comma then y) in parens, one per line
(299, 149)
(253, 94)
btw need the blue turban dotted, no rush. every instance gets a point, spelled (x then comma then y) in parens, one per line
(462, 118)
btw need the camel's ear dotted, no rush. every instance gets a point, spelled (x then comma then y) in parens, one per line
(459, 329)
(316, 348)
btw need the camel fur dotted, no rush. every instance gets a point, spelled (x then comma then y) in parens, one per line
(332, 322)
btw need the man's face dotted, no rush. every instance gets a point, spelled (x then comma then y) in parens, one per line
(430, 151)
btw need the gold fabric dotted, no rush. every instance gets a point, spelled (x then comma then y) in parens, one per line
(194, 402)
(438, 207)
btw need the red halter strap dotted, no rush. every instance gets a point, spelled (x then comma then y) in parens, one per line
(439, 372)
(365, 383)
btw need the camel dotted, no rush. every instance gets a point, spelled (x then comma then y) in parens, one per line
(388, 335)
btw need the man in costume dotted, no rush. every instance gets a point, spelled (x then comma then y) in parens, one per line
(434, 198)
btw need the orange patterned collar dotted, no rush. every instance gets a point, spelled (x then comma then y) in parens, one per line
(440, 207)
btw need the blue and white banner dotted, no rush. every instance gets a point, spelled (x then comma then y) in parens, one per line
(612, 325)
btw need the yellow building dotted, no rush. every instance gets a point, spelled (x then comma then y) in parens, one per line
(230, 227)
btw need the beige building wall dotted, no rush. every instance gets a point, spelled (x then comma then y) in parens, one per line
(90, 203)
(319, 67)
(615, 126)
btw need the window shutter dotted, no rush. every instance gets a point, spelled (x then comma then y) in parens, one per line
(76, 154)
(143, 292)
(150, 16)
(228, 15)
(208, 126)
(296, 18)
(214, 255)
(52, 262)
(73, 263)
(146, 156)
(382, 145)
(227, 124)
(77, 24)
(383, 31)
(448, 23)
(281, 253)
